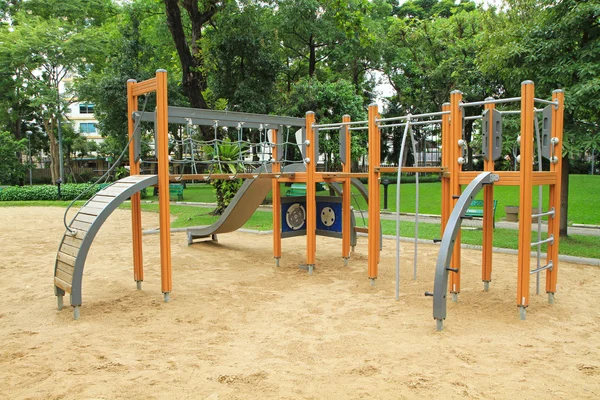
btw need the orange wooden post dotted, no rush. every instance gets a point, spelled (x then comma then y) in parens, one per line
(446, 195)
(488, 205)
(311, 160)
(555, 190)
(455, 190)
(276, 196)
(525, 182)
(136, 211)
(374, 203)
(346, 193)
(162, 124)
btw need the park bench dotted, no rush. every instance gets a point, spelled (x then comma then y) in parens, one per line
(476, 210)
(299, 189)
(176, 191)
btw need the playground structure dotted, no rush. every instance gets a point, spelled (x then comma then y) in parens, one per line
(268, 176)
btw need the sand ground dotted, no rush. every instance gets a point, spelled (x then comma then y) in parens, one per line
(239, 328)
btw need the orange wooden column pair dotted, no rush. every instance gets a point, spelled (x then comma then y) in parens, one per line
(276, 195)
(555, 191)
(134, 90)
(488, 205)
(525, 194)
(311, 194)
(374, 195)
(346, 192)
(455, 190)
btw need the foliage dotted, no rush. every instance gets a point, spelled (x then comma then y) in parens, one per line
(11, 169)
(68, 191)
(227, 156)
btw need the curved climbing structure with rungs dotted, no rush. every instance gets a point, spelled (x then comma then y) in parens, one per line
(76, 242)
(442, 268)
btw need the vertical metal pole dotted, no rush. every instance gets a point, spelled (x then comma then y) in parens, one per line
(416, 245)
(60, 147)
(398, 178)
(346, 193)
(555, 191)
(525, 179)
(539, 219)
(29, 133)
(445, 162)
(162, 123)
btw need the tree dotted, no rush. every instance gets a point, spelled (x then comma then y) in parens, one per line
(556, 44)
(46, 43)
(189, 49)
(11, 168)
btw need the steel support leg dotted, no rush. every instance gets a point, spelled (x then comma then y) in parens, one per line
(523, 313)
(277, 261)
(345, 261)
(138, 284)
(75, 313)
(486, 286)
(439, 325)
(59, 299)
(455, 297)
(550, 298)
(372, 281)
(166, 297)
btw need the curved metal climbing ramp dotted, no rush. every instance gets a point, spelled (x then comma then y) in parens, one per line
(442, 268)
(76, 242)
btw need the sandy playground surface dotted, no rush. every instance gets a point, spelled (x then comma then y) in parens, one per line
(239, 328)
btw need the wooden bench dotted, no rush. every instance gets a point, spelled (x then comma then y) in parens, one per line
(176, 191)
(299, 189)
(476, 210)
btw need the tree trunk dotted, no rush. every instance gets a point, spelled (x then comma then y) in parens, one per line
(193, 79)
(312, 60)
(564, 197)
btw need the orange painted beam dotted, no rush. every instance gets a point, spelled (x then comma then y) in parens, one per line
(426, 170)
(455, 189)
(136, 211)
(276, 196)
(374, 203)
(144, 87)
(511, 178)
(526, 192)
(488, 203)
(311, 202)
(555, 190)
(162, 124)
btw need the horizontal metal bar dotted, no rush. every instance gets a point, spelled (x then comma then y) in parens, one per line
(549, 240)
(430, 122)
(535, 271)
(359, 128)
(493, 101)
(225, 118)
(433, 114)
(339, 124)
(473, 117)
(554, 103)
(551, 212)
(328, 128)
(510, 112)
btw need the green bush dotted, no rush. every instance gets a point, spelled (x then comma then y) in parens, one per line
(68, 191)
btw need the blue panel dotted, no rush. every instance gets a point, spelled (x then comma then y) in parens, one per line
(329, 216)
(293, 215)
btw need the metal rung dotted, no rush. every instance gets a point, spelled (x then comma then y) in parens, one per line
(551, 212)
(549, 240)
(535, 271)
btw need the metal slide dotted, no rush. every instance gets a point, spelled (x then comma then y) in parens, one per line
(440, 286)
(76, 242)
(247, 199)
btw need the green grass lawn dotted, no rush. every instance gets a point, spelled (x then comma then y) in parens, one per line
(584, 201)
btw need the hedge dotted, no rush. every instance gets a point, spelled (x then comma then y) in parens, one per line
(68, 191)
